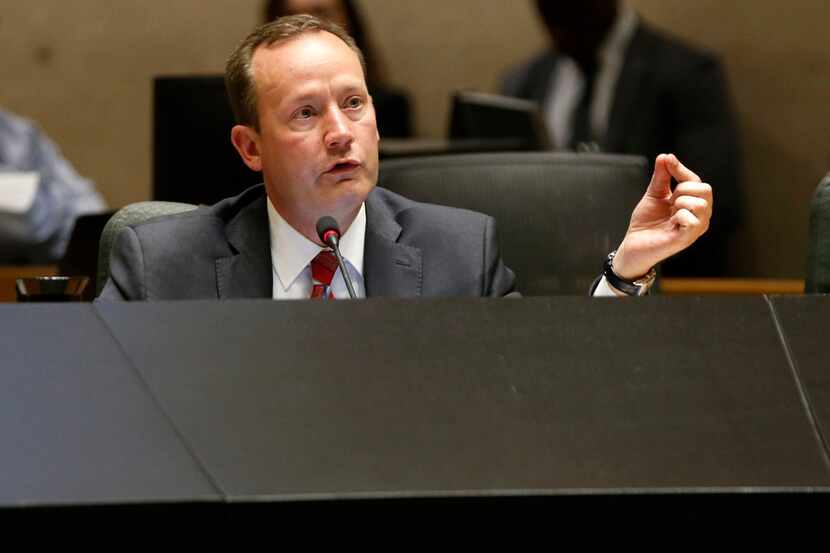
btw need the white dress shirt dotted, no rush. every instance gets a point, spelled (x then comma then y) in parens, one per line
(568, 82)
(291, 255)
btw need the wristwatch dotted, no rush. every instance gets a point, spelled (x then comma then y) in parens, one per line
(638, 287)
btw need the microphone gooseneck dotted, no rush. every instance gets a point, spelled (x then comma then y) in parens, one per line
(329, 233)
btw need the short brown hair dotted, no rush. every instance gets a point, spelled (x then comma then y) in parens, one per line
(239, 78)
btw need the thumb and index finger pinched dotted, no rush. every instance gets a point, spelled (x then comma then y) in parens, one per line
(667, 166)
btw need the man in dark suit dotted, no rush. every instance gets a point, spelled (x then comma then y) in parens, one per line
(305, 119)
(611, 83)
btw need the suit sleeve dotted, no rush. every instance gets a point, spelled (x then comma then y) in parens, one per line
(126, 275)
(499, 280)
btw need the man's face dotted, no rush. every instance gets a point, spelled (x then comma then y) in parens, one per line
(578, 28)
(318, 140)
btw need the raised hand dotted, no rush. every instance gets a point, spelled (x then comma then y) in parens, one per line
(664, 222)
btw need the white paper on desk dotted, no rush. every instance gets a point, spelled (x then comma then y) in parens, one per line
(18, 190)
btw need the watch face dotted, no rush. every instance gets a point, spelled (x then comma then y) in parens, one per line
(647, 280)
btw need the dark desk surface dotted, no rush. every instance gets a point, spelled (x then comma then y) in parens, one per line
(76, 423)
(804, 322)
(296, 399)
(268, 402)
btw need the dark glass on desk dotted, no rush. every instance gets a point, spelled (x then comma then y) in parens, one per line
(51, 288)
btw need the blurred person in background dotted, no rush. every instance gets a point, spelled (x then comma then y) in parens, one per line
(609, 82)
(41, 195)
(391, 105)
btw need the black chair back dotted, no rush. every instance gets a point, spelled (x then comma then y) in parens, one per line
(558, 214)
(81, 256)
(193, 158)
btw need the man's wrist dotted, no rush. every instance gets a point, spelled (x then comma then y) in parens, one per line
(631, 287)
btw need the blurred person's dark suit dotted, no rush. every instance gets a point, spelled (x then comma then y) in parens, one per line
(668, 97)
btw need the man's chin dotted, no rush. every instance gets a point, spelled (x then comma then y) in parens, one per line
(353, 187)
(348, 196)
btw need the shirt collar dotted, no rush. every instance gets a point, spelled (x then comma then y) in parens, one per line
(622, 31)
(291, 252)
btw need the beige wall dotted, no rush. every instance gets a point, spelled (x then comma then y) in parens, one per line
(83, 69)
(778, 60)
(91, 87)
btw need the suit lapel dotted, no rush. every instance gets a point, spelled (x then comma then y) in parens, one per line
(247, 273)
(389, 268)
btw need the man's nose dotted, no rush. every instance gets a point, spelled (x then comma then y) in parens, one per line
(338, 132)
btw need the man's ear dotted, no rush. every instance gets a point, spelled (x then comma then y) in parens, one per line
(246, 141)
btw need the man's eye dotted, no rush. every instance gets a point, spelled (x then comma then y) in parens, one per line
(304, 113)
(354, 102)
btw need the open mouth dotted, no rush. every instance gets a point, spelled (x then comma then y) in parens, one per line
(343, 166)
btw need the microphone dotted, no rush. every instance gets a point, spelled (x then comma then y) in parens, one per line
(329, 233)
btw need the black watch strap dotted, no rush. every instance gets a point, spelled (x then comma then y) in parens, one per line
(638, 287)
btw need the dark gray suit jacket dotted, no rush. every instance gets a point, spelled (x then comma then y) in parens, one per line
(670, 97)
(223, 251)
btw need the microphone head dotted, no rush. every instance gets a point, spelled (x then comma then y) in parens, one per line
(327, 228)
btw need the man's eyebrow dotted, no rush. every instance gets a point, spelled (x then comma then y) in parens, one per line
(351, 83)
(308, 95)
(355, 88)
(300, 98)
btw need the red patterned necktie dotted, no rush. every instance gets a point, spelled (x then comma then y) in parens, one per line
(323, 268)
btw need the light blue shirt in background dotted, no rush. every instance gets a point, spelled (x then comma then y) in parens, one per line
(39, 232)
